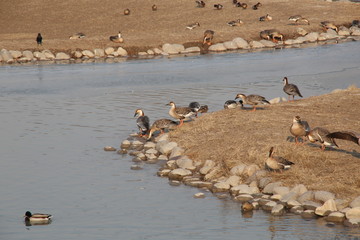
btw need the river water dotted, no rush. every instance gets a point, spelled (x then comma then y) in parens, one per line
(56, 119)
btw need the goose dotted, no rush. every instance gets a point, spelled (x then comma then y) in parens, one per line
(77, 36)
(275, 163)
(320, 134)
(256, 6)
(200, 4)
(299, 128)
(242, 5)
(117, 38)
(291, 89)
(231, 104)
(271, 34)
(267, 17)
(235, 23)
(143, 122)
(161, 125)
(252, 100)
(180, 112)
(37, 218)
(193, 25)
(329, 25)
(346, 135)
(127, 11)
(298, 19)
(208, 37)
(39, 39)
(154, 7)
(218, 6)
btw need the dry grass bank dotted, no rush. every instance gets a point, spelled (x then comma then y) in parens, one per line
(239, 136)
(20, 21)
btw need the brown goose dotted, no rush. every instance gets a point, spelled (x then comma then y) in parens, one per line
(299, 128)
(252, 100)
(297, 19)
(291, 89)
(154, 7)
(267, 17)
(180, 112)
(235, 23)
(218, 6)
(319, 134)
(117, 38)
(346, 135)
(256, 6)
(161, 125)
(329, 25)
(275, 163)
(208, 37)
(246, 207)
(242, 5)
(142, 122)
(127, 11)
(272, 34)
(200, 4)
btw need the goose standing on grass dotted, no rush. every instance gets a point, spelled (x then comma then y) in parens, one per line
(275, 163)
(242, 5)
(37, 218)
(291, 89)
(252, 100)
(39, 39)
(231, 104)
(180, 112)
(143, 122)
(267, 17)
(256, 6)
(200, 4)
(208, 37)
(319, 134)
(161, 125)
(299, 128)
(346, 135)
(117, 38)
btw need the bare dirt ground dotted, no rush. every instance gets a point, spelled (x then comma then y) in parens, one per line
(235, 136)
(20, 21)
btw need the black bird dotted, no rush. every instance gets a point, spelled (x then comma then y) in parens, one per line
(39, 39)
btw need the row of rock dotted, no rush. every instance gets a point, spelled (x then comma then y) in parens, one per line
(246, 183)
(13, 56)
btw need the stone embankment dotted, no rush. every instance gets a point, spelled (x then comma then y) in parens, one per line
(243, 183)
(343, 34)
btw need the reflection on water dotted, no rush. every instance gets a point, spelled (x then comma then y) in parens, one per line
(56, 119)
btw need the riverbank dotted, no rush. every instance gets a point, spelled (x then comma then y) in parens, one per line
(145, 30)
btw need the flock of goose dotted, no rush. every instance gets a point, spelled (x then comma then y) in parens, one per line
(300, 129)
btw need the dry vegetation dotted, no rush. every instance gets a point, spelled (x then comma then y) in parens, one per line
(239, 136)
(144, 28)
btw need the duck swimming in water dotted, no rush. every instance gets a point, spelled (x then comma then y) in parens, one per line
(291, 89)
(252, 100)
(143, 122)
(37, 218)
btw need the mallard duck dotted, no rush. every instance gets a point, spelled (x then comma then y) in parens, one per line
(161, 125)
(77, 36)
(329, 25)
(246, 207)
(143, 122)
(252, 100)
(127, 11)
(218, 6)
(208, 37)
(271, 34)
(39, 39)
(200, 4)
(346, 135)
(298, 19)
(319, 134)
(180, 112)
(193, 25)
(256, 6)
(154, 7)
(235, 23)
(37, 218)
(275, 163)
(231, 104)
(267, 17)
(291, 89)
(117, 38)
(299, 128)
(242, 5)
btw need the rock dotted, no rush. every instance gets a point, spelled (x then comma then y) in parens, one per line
(171, 164)
(109, 148)
(355, 203)
(163, 172)
(141, 156)
(40, 56)
(344, 31)
(330, 34)
(122, 52)
(281, 190)
(157, 51)
(6, 56)
(288, 197)
(142, 54)
(244, 189)
(264, 181)
(174, 183)
(310, 205)
(150, 52)
(208, 165)
(355, 31)
(136, 159)
(230, 45)
(98, 52)
(212, 174)
(323, 196)
(289, 42)
(122, 151)
(300, 40)
(243, 198)
(353, 222)
(199, 195)
(176, 151)
(186, 163)
(353, 213)
(88, 53)
(301, 31)
(241, 43)
(149, 145)
(152, 151)
(275, 100)
(238, 170)
(312, 37)
(179, 174)
(200, 184)
(308, 214)
(292, 203)
(233, 180)
(297, 210)
(163, 158)
(251, 169)
(328, 207)
(28, 55)
(135, 167)
(299, 189)
(269, 206)
(269, 189)
(62, 56)
(165, 147)
(172, 48)
(218, 47)
(15, 54)
(191, 50)
(306, 196)
(256, 44)
(267, 43)
(151, 158)
(278, 210)
(220, 187)
(341, 204)
(337, 217)
(109, 50)
(48, 54)
(125, 144)
(275, 197)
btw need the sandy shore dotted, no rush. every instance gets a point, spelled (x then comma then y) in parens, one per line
(145, 28)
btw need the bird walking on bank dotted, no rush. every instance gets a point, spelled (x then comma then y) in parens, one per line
(299, 128)
(180, 113)
(143, 122)
(37, 218)
(276, 163)
(256, 6)
(291, 89)
(208, 37)
(321, 135)
(252, 99)
(161, 125)
(39, 39)
(200, 4)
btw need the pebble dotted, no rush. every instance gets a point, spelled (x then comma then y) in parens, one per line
(199, 195)
(109, 148)
(135, 167)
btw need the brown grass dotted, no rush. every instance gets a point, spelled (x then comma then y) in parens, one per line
(20, 21)
(240, 136)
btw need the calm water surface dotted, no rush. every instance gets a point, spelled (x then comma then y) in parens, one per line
(56, 119)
